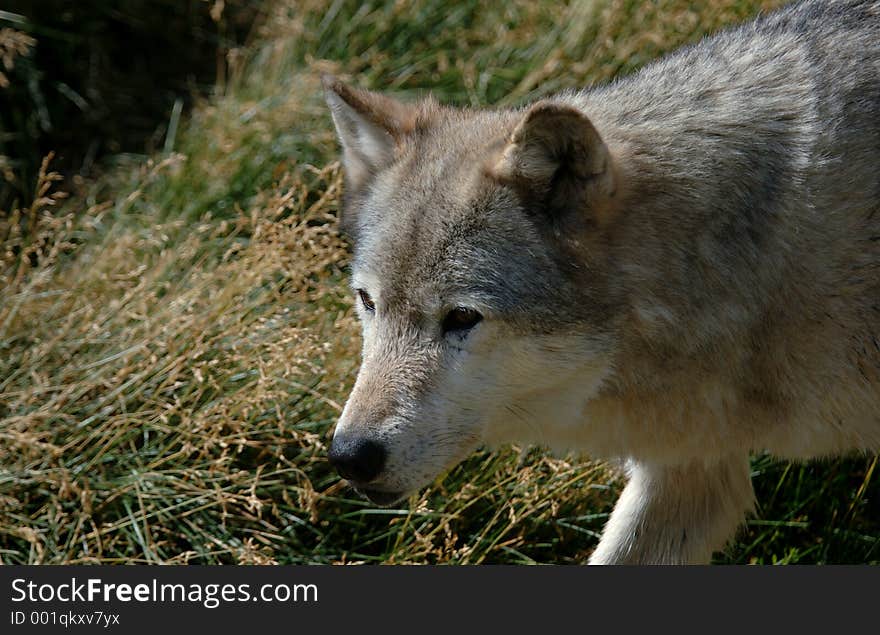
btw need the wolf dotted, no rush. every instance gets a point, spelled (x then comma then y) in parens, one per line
(671, 270)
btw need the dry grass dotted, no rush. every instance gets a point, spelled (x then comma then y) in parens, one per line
(175, 340)
(13, 44)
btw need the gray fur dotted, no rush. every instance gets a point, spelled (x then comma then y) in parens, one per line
(700, 280)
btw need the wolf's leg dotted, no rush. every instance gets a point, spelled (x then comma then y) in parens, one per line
(676, 514)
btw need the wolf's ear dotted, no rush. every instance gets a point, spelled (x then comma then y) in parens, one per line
(558, 162)
(369, 125)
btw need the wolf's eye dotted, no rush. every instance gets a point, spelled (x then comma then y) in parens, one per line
(460, 320)
(367, 301)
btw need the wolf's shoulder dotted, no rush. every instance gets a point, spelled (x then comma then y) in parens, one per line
(780, 53)
(819, 28)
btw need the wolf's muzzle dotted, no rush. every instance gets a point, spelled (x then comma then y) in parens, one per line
(357, 459)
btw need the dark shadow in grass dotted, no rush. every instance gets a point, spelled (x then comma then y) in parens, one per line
(812, 513)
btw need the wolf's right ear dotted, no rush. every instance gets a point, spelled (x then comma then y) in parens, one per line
(370, 126)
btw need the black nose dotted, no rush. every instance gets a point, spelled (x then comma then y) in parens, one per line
(356, 458)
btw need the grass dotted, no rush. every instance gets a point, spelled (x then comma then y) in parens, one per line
(176, 338)
(103, 76)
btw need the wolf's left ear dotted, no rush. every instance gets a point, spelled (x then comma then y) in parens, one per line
(369, 125)
(556, 159)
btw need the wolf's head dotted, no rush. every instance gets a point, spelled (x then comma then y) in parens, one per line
(481, 279)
